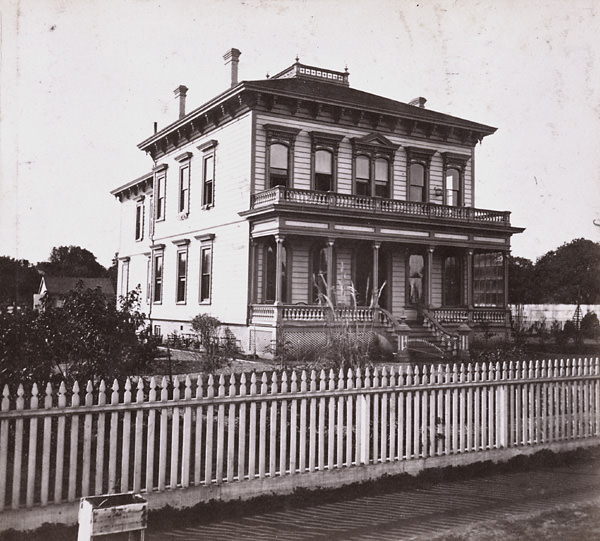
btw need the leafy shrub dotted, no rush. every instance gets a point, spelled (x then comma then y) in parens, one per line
(590, 326)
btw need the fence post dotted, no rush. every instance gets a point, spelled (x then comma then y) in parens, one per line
(502, 410)
(402, 333)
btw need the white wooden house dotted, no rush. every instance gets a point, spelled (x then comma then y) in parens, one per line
(279, 187)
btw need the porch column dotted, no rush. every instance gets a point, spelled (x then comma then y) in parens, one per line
(428, 275)
(252, 285)
(330, 243)
(505, 257)
(376, 246)
(278, 256)
(470, 283)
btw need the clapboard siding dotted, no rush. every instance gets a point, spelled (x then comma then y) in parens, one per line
(398, 280)
(300, 277)
(436, 280)
(302, 157)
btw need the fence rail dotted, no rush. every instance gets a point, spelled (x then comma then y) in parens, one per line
(57, 446)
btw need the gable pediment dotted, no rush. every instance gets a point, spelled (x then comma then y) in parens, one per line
(374, 143)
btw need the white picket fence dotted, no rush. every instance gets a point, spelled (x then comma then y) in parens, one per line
(58, 447)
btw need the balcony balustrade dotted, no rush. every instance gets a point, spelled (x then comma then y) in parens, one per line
(266, 313)
(330, 200)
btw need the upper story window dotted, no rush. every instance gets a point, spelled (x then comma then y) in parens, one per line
(278, 165)
(418, 163)
(208, 173)
(181, 271)
(184, 183)
(206, 262)
(157, 273)
(324, 159)
(280, 154)
(454, 178)
(160, 192)
(373, 159)
(139, 220)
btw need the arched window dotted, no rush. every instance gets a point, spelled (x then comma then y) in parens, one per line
(452, 187)
(323, 170)
(417, 182)
(278, 165)
(319, 278)
(270, 272)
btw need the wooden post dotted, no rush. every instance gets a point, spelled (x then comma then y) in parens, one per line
(428, 274)
(330, 243)
(376, 246)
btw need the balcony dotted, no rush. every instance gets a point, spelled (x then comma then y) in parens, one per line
(292, 198)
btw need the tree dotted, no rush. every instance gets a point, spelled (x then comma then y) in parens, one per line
(569, 274)
(72, 261)
(88, 338)
(18, 281)
(521, 286)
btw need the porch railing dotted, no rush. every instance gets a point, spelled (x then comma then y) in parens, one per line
(475, 315)
(332, 200)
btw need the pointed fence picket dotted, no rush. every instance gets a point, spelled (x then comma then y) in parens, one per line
(76, 442)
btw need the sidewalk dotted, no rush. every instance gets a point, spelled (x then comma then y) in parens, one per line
(522, 505)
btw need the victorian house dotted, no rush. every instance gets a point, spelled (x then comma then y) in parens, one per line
(279, 192)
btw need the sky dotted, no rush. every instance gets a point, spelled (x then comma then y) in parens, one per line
(83, 81)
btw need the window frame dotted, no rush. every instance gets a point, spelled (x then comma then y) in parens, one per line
(421, 301)
(124, 278)
(280, 135)
(460, 280)
(183, 199)
(374, 147)
(285, 276)
(182, 251)
(158, 280)
(421, 156)
(140, 214)
(453, 160)
(328, 142)
(160, 199)
(206, 246)
(209, 152)
(487, 285)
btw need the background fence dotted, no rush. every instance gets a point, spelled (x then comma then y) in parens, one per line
(57, 445)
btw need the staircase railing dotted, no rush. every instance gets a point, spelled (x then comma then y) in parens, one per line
(449, 340)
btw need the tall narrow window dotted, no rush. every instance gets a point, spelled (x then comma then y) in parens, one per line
(148, 279)
(323, 171)
(363, 180)
(382, 177)
(416, 272)
(452, 187)
(278, 165)
(158, 278)
(125, 277)
(139, 220)
(452, 281)
(205, 273)
(181, 276)
(417, 182)
(160, 190)
(184, 188)
(209, 181)
(270, 272)
(319, 271)
(280, 152)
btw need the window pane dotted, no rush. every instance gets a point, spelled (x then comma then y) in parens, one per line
(452, 281)
(181, 275)
(381, 170)
(362, 167)
(417, 175)
(452, 187)
(488, 279)
(323, 162)
(158, 270)
(207, 196)
(205, 274)
(416, 267)
(279, 156)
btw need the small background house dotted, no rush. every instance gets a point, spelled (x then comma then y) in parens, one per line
(56, 287)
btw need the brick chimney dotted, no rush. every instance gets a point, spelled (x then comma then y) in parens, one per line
(180, 93)
(233, 57)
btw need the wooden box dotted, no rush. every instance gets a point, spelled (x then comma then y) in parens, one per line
(110, 514)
